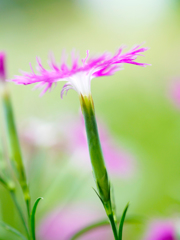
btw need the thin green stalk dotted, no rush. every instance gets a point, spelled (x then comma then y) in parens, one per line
(97, 159)
(113, 226)
(16, 156)
(30, 228)
(14, 147)
(94, 145)
(13, 196)
(111, 216)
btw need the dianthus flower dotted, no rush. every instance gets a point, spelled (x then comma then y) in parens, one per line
(79, 76)
(174, 92)
(161, 229)
(2, 66)
(68, 135)
(119, 162)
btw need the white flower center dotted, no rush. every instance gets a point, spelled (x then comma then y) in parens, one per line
(81, 82)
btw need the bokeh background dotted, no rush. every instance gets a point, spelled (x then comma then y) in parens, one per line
(135, 104)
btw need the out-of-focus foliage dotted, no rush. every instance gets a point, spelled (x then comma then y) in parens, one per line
(22, 3)
(135, 103)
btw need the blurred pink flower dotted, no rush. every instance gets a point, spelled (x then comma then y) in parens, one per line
(161, 230)
(40, 133)
(68, 135)
(79, 76)
(175, 92)
(62, 224)
(119, 163)
(2, 66)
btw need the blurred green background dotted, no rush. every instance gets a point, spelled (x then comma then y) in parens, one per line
(134, 103)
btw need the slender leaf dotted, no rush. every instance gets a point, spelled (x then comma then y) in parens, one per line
(104, 222)
(122, 221)
(12, 230)
(33, 217)
(89, 228)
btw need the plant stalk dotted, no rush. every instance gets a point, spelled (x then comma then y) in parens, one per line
(95, 151)
(97, 159)
(20, 213)
(16, 156)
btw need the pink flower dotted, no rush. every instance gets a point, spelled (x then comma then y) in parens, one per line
(175, 92)
(69, 136)
(161, 230)
(40, 133)
(62, 224)
(119, 163)
(2, 66)
(79, 76)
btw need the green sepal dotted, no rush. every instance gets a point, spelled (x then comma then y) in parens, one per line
(98, 196)
(33, 218)
(103, 186)
(122, 221)
(12, 230)
(113, 205)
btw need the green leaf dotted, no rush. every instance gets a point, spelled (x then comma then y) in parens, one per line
(33, 217)
(102, 223)
(89, 228)
(122, 221)
(12, 230)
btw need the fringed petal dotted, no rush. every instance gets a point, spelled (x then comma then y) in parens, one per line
(76, 76)
(66, 88)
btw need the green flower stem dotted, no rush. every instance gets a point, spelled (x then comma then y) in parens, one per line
(97, 159)
(16, 156)
(113, 225)
(111, 216)
(95, 151)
